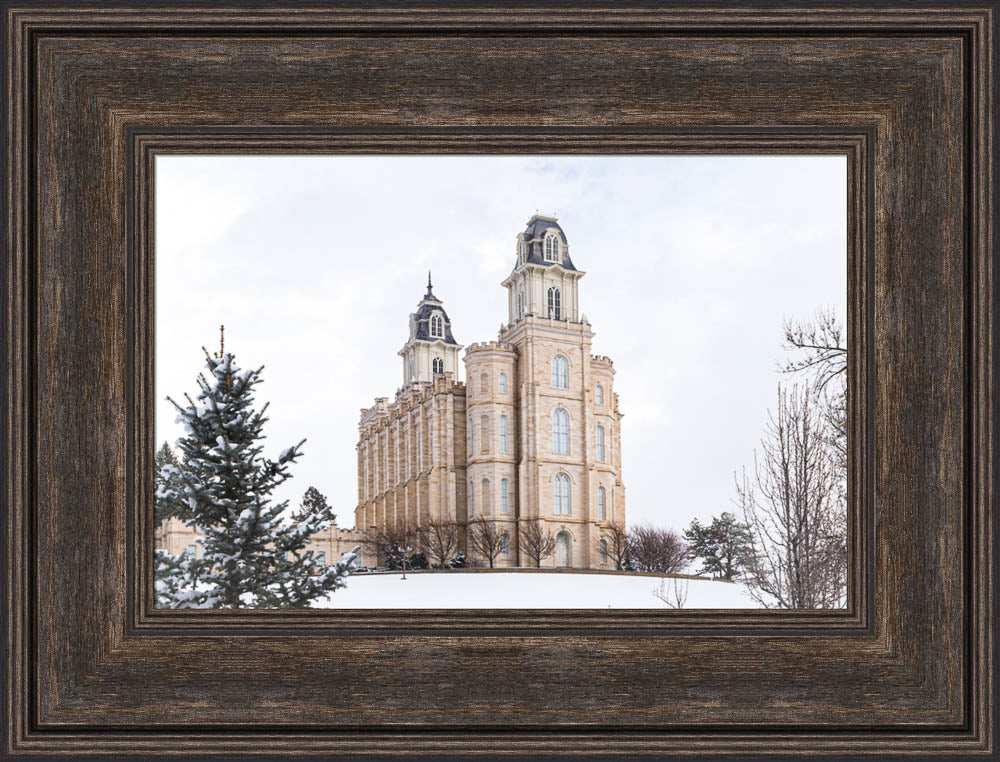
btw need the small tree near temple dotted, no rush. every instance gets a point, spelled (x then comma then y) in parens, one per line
(722, 546)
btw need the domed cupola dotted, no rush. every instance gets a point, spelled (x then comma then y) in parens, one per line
(431, 348)
(543, 242)
(544, 282)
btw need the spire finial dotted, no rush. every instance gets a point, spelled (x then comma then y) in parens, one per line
(430, 293)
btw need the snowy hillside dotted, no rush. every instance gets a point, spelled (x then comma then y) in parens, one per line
(528, 589)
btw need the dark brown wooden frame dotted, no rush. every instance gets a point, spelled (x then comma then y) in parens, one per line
(94, 94)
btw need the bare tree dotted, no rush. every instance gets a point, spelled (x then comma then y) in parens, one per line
(440, 540)
(821, 341)
(617, 541)
(486, 539)
(676, 597)
(389, 545)
(537, 543)
(791, 503)
(821, 352)
(653, 549)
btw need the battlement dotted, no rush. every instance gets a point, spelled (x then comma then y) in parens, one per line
(489, 346)
(601, 360)
(383, 413)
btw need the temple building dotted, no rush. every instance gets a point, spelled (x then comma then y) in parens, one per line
(533, 436)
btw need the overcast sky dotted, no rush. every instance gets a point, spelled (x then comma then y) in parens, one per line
(315, 263)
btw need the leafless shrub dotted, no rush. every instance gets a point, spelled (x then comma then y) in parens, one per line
(654, 549)
(537, 543)
(439, 539)
(486, 539)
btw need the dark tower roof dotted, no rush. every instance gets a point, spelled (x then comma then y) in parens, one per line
(536, 228)
(422, 317)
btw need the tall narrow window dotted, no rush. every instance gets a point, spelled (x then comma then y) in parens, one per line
(484, 434)
(484, 383)
(438, 365)
(600, 444)
(604, 551)
(560, 372)
(502, 383)
(521, 250)
(409, 470)
(470, 439)
(487, 507)
(555, 300)
(601, 497)
(472, 500)
(503, 433)
(505, 545)
(599, 395)
(560, 431)
(504, 496)
(437, 326)
(520, 304)
(560, 495)
(552, 248)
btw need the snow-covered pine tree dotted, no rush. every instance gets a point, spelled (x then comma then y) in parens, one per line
(251, 558)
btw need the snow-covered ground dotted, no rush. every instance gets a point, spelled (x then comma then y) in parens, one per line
(528, 589)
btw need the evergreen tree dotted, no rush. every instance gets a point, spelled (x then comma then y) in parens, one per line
(314, 501)
(224, 487)
(166, 469)
(722, 546)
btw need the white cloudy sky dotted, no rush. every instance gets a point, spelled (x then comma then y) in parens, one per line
(315, 263)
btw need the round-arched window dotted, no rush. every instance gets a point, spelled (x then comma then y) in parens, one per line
(438, 365)
(437, 326)
(560, 495)
(552, 248)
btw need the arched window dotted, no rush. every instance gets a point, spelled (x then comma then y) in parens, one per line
(470, 439)
(521, 251)
(560, 372)
(486, 506)
(560, 495)
(472, 499)
(599, 395)
(484, 434)
(552, 248)
(520, 304)
(601, 498)
(412, 374)
(560, 431)
(437, 326)
(555, 301)
(563, 557)
(600, 444)
(604, 551)
(484, 383)
(503, 433)
(438, 365)
(502, 383)
(504, 496)
(505, 545)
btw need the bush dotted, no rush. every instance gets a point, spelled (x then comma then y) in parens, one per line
(459, 562)
(417, 561)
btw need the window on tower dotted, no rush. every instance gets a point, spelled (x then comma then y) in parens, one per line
(484, 433)
(600, 444)
(552, 248)
(560, 495)
(520, 304)
(522, 251)
(601, 500)
(437, 326)
(560, 372)
(505, 546)
(504, 496)
(502, 383)
(560, 431)
(604, 551)
(599, 395)
(503, 433)
(438, 365)
(555, 303)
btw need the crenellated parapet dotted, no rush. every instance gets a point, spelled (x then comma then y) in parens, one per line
(489, 346)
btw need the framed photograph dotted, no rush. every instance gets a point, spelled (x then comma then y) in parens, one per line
(720, 484)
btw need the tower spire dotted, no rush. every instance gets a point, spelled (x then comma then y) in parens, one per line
(429, 287)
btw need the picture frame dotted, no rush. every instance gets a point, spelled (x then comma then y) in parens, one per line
(95, 92)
